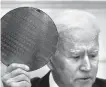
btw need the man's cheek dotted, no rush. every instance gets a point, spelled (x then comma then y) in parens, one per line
(94, 72)
(69, 71)
(94, 65)
(60, 63)
(94, 62)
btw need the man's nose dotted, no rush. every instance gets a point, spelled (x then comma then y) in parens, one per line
(86, 65)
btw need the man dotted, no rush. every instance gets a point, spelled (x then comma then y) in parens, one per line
(75, 62)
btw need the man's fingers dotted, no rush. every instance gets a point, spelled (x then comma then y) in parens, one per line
(19, 84)
(19, 72)
(15, 73)
(19, 78)
(23, 84)
(15, 66)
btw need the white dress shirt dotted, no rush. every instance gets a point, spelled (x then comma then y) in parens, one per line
(51, 81)
(45, 70)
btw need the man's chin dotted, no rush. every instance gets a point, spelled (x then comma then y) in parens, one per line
(79, 85)
(83, 84)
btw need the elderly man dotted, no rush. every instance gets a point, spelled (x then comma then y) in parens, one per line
(75, 62)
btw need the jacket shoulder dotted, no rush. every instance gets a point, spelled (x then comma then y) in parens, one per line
(100, 82)
(35, 81)
(41, 82)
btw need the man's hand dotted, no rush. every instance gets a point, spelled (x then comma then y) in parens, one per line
(16, 76)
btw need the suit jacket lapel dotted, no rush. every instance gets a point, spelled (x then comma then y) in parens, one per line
(44, 82)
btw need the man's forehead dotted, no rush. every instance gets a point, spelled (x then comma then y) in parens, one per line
(77, 39)
(79, 47)
(83, 36)
(78, 35)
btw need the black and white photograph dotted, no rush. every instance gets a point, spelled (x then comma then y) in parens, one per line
(53, 43)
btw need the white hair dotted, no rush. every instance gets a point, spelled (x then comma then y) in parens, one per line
(74, 18)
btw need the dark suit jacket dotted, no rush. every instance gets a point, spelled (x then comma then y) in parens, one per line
(44, 82)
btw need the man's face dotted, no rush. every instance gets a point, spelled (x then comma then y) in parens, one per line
(76, 61)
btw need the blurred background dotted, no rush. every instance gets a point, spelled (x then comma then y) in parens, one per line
(96, 7)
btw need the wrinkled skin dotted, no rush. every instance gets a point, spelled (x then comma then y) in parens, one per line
(75, 63)
(16, 75)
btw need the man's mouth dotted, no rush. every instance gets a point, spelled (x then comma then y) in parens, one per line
(84, 79)
(87, 78)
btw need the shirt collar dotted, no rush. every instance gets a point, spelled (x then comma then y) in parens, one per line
(51, 81)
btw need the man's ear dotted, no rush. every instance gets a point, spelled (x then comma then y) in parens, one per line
(50, 64)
